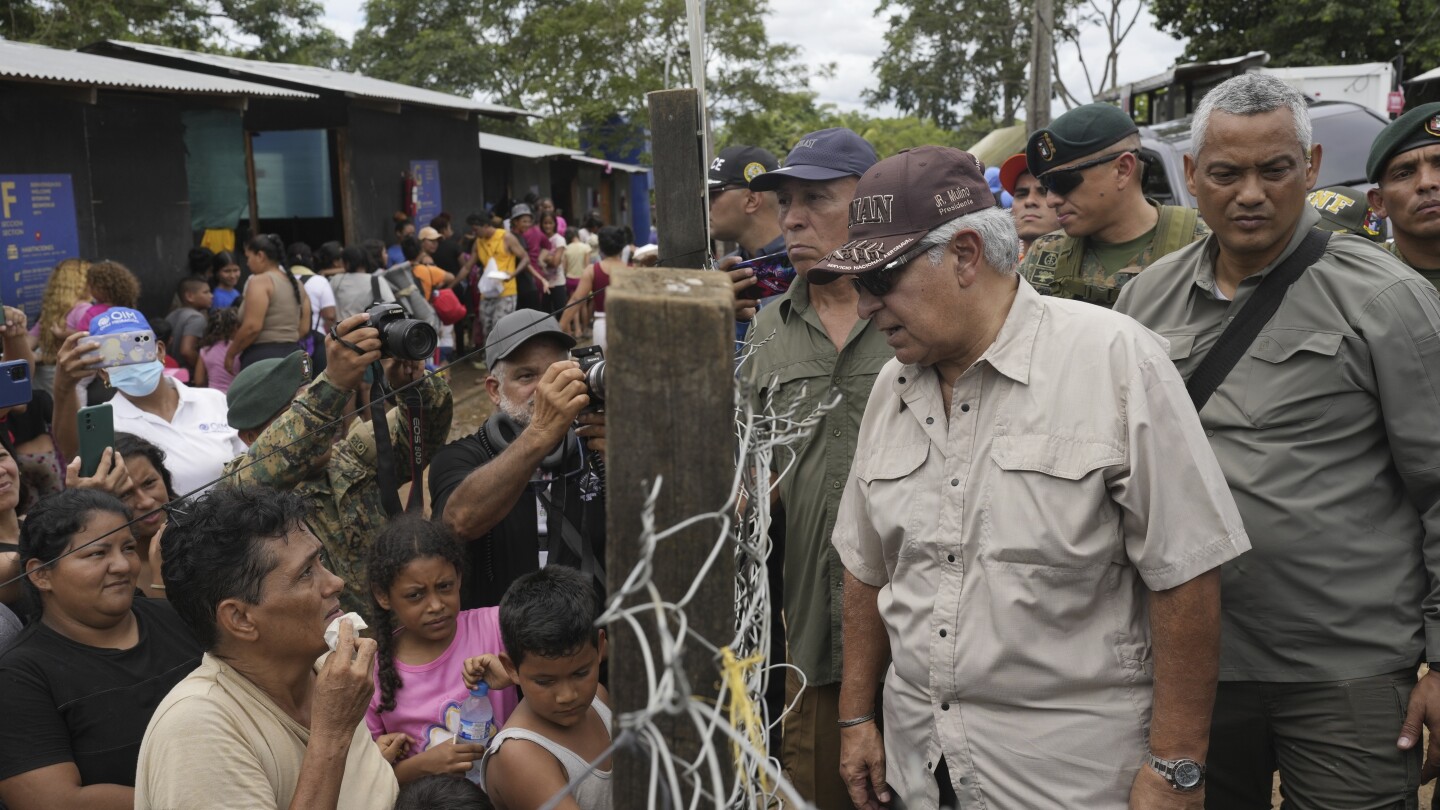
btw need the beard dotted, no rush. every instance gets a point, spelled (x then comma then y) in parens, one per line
(519, 412)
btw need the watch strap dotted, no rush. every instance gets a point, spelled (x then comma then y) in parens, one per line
(1167, 769)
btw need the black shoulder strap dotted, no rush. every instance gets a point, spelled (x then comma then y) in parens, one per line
(375, 291)
(1257, 312)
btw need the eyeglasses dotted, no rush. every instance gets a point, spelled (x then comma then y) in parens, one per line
(716, 192)
(879, 281)
(1063, 181)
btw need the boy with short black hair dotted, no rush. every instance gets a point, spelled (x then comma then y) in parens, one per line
(553, 650)
(188, 319)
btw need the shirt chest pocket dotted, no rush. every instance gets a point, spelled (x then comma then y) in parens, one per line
(1047, 504)
(899, 496)
(1294, 377)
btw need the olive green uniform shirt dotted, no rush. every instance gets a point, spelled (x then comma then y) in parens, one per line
(795, 363)
(345, 508)
(1431, 275)
(1328, 431)
(1045, 263)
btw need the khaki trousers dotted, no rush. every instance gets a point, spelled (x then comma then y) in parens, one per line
(810, 744)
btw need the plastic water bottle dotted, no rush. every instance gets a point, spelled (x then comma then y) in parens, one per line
(477, 723)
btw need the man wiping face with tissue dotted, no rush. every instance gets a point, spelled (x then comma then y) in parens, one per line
(260, 723)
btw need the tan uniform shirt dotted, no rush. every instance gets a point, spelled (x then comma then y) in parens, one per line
(217, 741)
(1014, 546)
(1328, 430)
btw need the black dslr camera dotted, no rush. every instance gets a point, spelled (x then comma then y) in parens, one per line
(401, 336)
(592, 363)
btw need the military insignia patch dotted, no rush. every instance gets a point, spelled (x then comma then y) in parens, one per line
(1049, 258)
(1046, 147)
(752, 171)
(1433, 125)
(1373, 223)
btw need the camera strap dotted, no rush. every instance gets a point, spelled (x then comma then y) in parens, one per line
(412, 410)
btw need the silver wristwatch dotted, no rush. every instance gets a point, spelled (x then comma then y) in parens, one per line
(1184, 775)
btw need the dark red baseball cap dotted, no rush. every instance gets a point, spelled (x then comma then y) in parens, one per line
(1011, 169)
(901, 199)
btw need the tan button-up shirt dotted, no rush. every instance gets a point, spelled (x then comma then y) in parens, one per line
(1328, 430)
(1013, 547)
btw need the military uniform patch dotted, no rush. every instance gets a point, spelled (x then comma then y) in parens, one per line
(1046, 147)
(752, 171)
(1433, 125)
(1049, 258)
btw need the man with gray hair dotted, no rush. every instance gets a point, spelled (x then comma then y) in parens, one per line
(1312, 359)
(1042, 582)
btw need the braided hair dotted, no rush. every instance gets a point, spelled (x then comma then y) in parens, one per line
(405, 539)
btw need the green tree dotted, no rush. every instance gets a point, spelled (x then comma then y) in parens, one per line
(586, 65)
(274, 30)
(943, 57)
(1307, 32)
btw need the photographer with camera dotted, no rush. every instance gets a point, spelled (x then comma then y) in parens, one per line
(295, 446)
(527, 489)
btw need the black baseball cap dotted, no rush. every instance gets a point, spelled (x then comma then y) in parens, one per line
(738, 165)
(825, 155)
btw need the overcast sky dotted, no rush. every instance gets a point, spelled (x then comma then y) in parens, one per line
(849, 33)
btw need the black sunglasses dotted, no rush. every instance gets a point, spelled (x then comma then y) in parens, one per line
(878, 282)
(1063, 181)
(716, 192)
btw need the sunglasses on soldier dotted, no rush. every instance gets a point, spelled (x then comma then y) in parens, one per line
(1063, 181)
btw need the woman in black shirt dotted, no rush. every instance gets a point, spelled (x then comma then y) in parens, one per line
(78, 687)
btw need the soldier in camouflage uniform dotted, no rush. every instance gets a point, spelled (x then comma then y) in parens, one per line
(294, 439)
(1089, 164)
(1405, 162)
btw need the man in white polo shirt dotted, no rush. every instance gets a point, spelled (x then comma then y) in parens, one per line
(189, 424)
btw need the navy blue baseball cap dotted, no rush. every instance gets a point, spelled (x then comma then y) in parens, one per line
(825, 155)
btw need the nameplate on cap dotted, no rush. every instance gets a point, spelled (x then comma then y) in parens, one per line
(952, 200)
(874, 208)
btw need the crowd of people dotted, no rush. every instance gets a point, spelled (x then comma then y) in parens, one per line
(1121, 505)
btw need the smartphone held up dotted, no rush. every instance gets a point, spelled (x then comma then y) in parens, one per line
(773, 275)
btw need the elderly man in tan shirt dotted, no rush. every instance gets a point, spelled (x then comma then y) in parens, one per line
(1031, 530)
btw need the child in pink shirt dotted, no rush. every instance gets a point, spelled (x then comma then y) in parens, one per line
(424, 638)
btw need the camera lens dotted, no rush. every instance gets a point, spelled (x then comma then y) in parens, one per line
(595, 379)
(409, 339)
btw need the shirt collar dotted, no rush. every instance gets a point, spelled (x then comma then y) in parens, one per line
(1014, 348)
(797, 298)
(1204, 273)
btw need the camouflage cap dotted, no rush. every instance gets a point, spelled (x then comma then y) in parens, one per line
(265, 388)
(1345, 210)
(1082, 131)
(1417, 128)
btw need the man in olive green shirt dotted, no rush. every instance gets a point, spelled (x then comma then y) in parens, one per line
(1088, 163)
(1405, 162)
(1328, 432)
(808, 346)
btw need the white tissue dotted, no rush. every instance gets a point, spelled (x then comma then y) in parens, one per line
(332, 633)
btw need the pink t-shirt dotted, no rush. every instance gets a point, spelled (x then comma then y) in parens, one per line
(95, 309)
(76, 315)
(427, 707)
(213, 356)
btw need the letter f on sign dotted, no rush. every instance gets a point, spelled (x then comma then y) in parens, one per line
(7, 198)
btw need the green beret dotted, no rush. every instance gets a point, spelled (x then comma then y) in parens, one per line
(1417, 128)
(1079, 132)
(263, 389)
(1345, 210)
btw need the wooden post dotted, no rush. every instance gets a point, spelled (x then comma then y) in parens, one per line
(250, 181)
(681, 169)
(669, 411)
(1042, 50)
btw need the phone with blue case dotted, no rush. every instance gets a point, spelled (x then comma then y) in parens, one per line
(14, 383)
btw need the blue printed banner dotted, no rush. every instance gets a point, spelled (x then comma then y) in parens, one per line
(37, 232)
(426, 174)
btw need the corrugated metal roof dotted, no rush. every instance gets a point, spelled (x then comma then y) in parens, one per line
(38, 63)
(353, 84)
(523, 148)
(612, 164)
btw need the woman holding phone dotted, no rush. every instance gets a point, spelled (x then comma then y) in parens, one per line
(79, 685)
